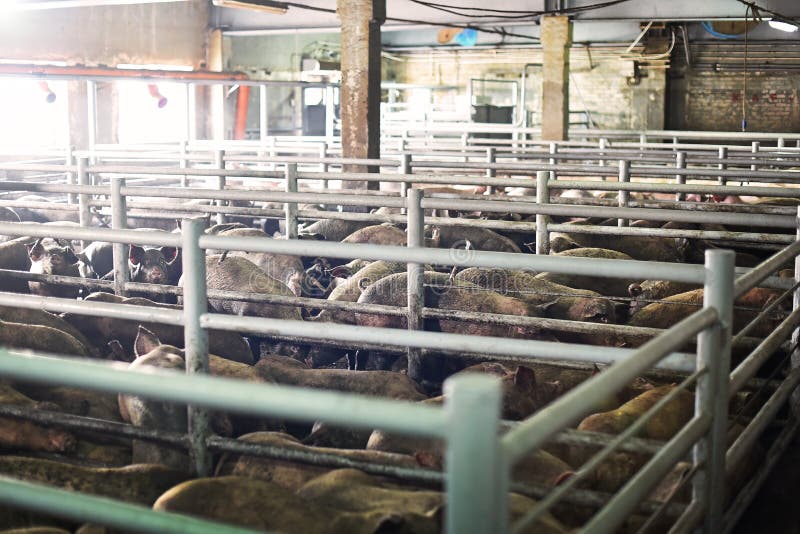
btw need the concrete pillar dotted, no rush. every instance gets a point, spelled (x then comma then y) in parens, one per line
(361, 82)
(556, 41)
(107, 113)
(214, 107)
(78, 115)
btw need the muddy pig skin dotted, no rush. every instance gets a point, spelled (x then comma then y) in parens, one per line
(353, 490)
(283, 370)
(638, 248)
(49, 257)
(31, 316)
(264, 506)
(549, 299)
(333, 229)
(282, 267)
(650, 290)
(225, 344)
(26, 435)
(479, 239)
(615, 287)
(677, 307)
(41, 338)
(379, 234)
(292, 475)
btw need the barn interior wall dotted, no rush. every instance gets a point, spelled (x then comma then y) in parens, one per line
(167, 33)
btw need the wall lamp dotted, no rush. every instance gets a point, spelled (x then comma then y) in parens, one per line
(51, 96)
(265, 6)
(782, 24)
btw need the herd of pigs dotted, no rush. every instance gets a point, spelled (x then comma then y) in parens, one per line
(290, 496)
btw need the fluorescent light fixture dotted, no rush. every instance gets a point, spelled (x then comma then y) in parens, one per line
(266, 6)
(133, 66)
(38, 5)
(783, 25)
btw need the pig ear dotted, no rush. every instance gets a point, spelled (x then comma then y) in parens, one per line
(634, 290)
(341, 271)
(70, 257)
(543, 308)
(145, 342)
(595, 369)
(36, 251)
(135, 254)
(117, 352)
(170, 254)
(525, 377)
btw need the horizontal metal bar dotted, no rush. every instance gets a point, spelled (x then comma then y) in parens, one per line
(225, 394)
(747, 237)
(104, 511)
(750, 280)
(748, 493)
(155, 238)
(539, 428)
(644, 187)
(637, 488)
(521, 348)
(747, 439)
(505, 260)
(750, 365)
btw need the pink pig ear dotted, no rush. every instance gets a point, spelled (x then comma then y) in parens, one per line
(145, 342)
(525, 377)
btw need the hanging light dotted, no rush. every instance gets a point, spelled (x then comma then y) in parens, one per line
(783, 25)
(51, 96)
(155, 93)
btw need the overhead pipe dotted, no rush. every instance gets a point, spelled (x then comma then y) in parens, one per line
(110, 74)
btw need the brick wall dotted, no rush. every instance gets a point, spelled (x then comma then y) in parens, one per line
(713, 101)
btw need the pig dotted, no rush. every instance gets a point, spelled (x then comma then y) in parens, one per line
(646, 292)
(293, 474)
(285, 268)
(43, 215)
(265, 506)
(613, 286)
(441, 292)
(283, 370)
(478, 238)
(41, 338)
(673, 309)
(549, 299)
(14, 256)
(55, 258)
(27, 435)
(151, 353)
(379, 234)
(637, 247)
(333, 229)
(240, 274)
(226, 344)
(30, 316)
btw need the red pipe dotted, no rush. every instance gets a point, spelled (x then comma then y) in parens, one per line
(242, 103)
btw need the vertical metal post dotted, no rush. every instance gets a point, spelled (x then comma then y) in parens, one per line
(272, 152)
(330, 112)
(781, 143)
(183, 162)
(464, 144)
(91, 109)
(542, 197)
(291, 207)
(84, 213)
(723, 155)
(711, 394)
(602, 145)
(219, 163)
(680, 179)
(490, 173)
(404, 169)
(323, 153)
(477, 477)
(72, 198)
(263, 113)
(195, 339)
(642, 140)
(191, 112)
(795, 400)
(624, 178)
(119, 221)
(755, 148)
(415, 230)
(553, 150)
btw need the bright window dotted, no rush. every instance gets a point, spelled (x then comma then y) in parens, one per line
(31, 119)
(144, 115)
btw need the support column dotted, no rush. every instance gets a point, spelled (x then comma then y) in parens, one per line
(215, 107)
(78, 115)
(556, 42)
(361, 83)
